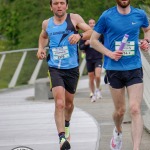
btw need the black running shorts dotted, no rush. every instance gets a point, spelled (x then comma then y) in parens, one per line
(93, 63)
(68, 78)
(119, 79)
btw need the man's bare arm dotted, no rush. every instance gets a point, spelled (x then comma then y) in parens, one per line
(144, 44)
(79, 24)
(87, 31)
(43, 41)
(94, 42)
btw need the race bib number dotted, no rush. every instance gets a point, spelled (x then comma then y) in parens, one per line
(60, 53)
(129, 49)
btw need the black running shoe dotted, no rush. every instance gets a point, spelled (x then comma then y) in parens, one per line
(64, 144)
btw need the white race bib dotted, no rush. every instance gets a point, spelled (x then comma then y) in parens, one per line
(129, 49)
(60, 53)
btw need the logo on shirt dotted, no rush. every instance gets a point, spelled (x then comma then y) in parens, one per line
(133, 23)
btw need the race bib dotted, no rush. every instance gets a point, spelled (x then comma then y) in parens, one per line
(60, 53)
(129, 49)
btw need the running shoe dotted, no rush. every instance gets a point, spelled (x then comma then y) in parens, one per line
(64, 144)
(67, 133)
(91, 94)
(93, 99)
(98, 94)
(116, 141)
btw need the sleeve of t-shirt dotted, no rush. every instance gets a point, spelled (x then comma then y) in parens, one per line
(100, 26)
(145, 20)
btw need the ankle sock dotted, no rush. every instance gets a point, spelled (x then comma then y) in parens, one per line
(67, 123)
(61, 135)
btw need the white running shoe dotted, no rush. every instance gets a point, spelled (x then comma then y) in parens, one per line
(116, 141)
(93, 99)
(98, 94)
(91, 94)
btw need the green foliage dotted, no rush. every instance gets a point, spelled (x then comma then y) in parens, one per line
(8, 24)
(20, 20)
(20, 26)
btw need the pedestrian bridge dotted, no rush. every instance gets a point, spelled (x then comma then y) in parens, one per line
(17, 109)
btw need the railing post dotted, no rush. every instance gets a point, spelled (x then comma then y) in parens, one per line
(18, 70)
(35, 72)
(82, 66)
(2, 60)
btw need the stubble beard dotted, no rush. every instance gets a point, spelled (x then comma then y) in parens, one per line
(124, 4)
(60, 16)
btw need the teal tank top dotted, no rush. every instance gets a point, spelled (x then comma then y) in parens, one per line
(62, 54)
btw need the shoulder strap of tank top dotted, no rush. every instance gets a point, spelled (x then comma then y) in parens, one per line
(70, 24)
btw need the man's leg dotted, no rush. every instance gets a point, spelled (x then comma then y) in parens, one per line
(91, 81)
(92, 86)
(59, 97)
(98, 81)
(135, 93)
(91, 76)
(69, 106)
(98, 71)
(118, 96)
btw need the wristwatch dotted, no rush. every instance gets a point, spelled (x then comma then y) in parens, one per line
(81, 35)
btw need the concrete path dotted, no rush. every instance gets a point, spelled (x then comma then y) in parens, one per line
(30, 123)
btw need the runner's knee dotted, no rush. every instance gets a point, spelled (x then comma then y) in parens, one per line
(60, 104)
(135, 110)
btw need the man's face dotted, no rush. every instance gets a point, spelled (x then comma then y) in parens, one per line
(123, 3)
(59, 7)
(91, 23)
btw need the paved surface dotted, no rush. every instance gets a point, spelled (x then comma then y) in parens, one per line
(102, 111)
(26, 122)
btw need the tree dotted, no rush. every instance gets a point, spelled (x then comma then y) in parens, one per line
(20, 20)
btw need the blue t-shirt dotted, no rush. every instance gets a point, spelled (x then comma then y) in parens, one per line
(62, 54)
(114, 26)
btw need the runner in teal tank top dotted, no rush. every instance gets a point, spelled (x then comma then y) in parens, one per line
(61, 32)
(62, 54)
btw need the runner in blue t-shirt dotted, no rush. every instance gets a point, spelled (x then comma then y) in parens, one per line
(61, 31)
(123, 68)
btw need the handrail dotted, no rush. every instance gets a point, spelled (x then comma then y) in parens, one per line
(36, 70)
(20, 50)
(146, 70)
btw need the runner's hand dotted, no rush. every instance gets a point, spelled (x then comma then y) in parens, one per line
(74, 38)
(116, 55)
(144, 45)
(41, 54)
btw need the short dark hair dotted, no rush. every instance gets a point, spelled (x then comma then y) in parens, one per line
(91, 19)
(51, 2)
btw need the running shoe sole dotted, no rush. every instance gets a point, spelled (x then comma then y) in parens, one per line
(65, 146)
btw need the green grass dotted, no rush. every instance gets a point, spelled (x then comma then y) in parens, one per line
(8, 68)
(11, 62)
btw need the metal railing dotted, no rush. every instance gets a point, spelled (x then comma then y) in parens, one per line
(34, 75)
(19, 67)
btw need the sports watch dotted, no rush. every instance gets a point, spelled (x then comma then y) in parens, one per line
(81, 35)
